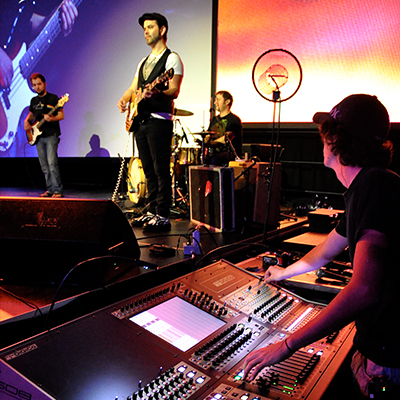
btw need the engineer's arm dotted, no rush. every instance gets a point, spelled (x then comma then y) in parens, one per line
(362, 292)
(319, 256)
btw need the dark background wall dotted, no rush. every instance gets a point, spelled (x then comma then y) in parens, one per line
(303, 174)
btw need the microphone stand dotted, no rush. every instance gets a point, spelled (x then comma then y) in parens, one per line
(276, 98)
(182, 197)
(254, 162)
(245, 172)
(185, 138)
(228, 139)
(274, 71)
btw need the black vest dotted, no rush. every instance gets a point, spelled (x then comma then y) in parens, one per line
(157, 103)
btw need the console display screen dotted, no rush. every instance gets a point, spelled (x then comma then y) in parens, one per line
(178, 322)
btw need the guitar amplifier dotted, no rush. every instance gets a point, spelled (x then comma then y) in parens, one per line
(211, 197)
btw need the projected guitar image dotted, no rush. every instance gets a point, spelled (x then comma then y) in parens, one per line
(14, 99)
(34, 132)
(133, 110)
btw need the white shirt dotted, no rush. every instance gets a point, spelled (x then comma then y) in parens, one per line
(174, 62)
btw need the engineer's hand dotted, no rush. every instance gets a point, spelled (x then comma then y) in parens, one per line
(261, 358)
(273, 274)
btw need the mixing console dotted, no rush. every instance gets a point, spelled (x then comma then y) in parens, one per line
(185, 339)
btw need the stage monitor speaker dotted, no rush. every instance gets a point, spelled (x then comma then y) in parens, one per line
(42, 239)
(211, 197)
(251, 192)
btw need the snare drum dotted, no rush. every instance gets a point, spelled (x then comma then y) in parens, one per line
(189, 155)
(136, 181)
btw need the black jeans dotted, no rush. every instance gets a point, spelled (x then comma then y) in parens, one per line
(153, 139)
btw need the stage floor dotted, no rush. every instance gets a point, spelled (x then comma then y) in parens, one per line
(19, 301)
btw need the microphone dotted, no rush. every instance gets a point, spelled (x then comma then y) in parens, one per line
(324, 273)
(273, 80)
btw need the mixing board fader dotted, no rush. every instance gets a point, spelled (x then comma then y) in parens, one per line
(298, 377)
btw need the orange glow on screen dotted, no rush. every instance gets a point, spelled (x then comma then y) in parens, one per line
(343, 46)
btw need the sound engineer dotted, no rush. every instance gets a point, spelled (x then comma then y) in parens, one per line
(354, 135)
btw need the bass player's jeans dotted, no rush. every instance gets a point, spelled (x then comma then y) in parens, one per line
(47, 147)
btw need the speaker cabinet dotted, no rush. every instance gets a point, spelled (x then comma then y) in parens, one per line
(251, 192)
(211, 197)
(42, 239)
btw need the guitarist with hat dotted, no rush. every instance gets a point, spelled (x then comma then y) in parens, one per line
(152, 96)
(42, 107)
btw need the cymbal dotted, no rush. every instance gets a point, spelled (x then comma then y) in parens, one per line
(182, 113)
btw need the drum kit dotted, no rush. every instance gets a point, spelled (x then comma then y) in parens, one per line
(181, 158)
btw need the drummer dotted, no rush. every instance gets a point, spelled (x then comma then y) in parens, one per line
(224, 144)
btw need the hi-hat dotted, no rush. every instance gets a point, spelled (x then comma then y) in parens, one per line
(182, 113)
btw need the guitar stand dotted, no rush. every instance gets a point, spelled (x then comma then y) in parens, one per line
(180, 205)
(183, 197)
(179, 199)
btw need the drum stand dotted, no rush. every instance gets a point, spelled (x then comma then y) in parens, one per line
(178, 198)
(174, 152)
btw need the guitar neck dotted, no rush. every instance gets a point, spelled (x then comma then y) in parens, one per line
(151, 86)
(51, 112)
(42, 42)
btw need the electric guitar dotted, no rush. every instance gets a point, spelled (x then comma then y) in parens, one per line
(13, 99)
(133, 109)
(33, 133)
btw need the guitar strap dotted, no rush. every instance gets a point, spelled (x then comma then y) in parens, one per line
(157, 70)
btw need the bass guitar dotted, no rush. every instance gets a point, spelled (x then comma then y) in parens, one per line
(133, 111)
(34, 132)
(13, 100)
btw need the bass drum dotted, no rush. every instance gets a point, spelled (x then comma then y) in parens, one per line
(137, 186)
(189, 155)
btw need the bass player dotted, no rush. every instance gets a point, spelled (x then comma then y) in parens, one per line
(47, 143)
